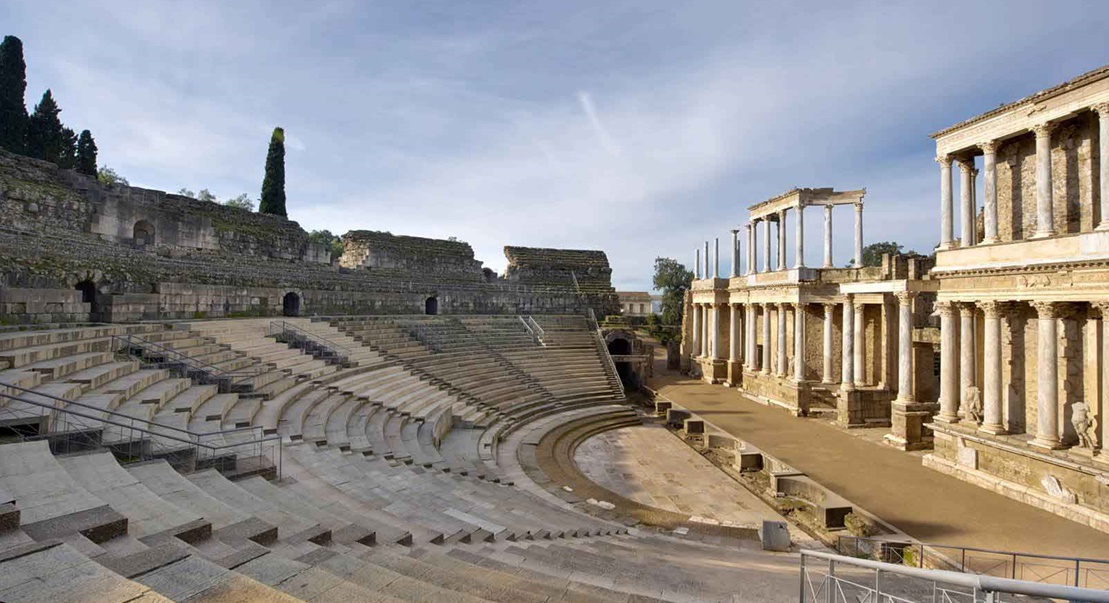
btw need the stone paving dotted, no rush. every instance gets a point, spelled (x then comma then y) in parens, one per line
(893, 485)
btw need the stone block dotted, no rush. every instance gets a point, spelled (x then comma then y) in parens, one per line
(662, 407)
(774, 536)
(749, 460)
(694, 426)
(675, 417)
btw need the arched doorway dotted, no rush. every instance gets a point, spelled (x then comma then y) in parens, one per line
(431, 306)
(143, 233)
(88, 296)
(290, 304)
(622, 347)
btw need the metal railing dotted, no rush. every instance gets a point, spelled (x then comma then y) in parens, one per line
(539, 332)
(829, 578)
(602, 349)
(1047, 569)
(161, 356)
(70, 426)
(316, 345)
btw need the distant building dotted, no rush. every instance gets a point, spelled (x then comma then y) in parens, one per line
(635, 303)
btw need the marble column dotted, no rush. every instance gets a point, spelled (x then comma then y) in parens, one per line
(905, 372)
(847, 383)
(859, 328)
(750, 247)
(827, 236)
(966, 201)
(715, 329)
(695, 350)
(707, 260)
(751, 322)
(766, 248)
(829, 332)
(1103, 162)
(697, 265)
(947, 209)
(735, 324)
(716, 259)
(989, 165)
(799, 244)
(783, 358)
(991, 367)
(858, 235)
(766, 334)
(1045, 211)
(735, 253)
(949, 373)
(968, 361)
(799, 341)
(706, 337)
(782, 240)
(1047, 376)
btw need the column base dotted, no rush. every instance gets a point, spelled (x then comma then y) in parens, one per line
(992, 241)
(948, 245)
(992, 429)
(1044, 235)
(1047, 444)
(1103, 226)
(946, 418)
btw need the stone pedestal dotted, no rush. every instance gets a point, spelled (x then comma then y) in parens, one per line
(907, 426)
(714, 371)
(735, 374)
(847, 405)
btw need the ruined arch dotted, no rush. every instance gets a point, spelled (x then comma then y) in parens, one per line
(290, 304)
(143, 233)
(620, 344)
(431, 306)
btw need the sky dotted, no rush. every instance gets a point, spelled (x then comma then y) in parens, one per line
(642, 128)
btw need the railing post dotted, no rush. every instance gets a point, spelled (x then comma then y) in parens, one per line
(1077, 564)
(802, 598)
(829, 595)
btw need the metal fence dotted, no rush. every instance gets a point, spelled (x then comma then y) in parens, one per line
(829, 578)
(1046, 569)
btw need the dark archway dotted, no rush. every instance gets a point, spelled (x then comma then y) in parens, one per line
(622, 347)
(89, 296)
(431, 306)
(143, 233)
(290, 304)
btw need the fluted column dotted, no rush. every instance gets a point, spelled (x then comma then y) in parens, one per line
(847, 382)
(766, 334)
(751, 322)
(829, 333)
(715, 331)
(859, 328)
(989, 165)
(782, 240)
(968, 362)
(1045, 211)
(783, 359)
(1047, 376)
(991, 367)
(1103, 162)
(905, 372)
(799, 342)
(716, 259)
(966, 201)
(706, 337)
(735, 324)
(949, 373)
(766, 248)
(750, 247)
(735, 253)
(708, 260)
(697, 265)
(799, 244)
(695, 349)
(858, 235)
(947, 209)
(827, 236)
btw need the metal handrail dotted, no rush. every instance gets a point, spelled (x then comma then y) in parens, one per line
(144, 343)
(538, 329)
(960, 558)
(285, 326)
(978, 583)
(602, 349)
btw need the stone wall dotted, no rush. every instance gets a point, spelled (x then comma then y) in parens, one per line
(586, 271)
(371, 249)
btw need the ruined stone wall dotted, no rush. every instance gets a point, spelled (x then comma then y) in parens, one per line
(586, 271)
(371, 249)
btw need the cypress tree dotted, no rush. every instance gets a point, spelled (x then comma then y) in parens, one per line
(67, 151)
(273, 183)
(13, 85)
(45, 133)
(86, 154)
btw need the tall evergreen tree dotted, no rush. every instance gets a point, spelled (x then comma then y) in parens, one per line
(13, 85)
(273, 183)
(86, 154)
(67, 152)
(45, 133)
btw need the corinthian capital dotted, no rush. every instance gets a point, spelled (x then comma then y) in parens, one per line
(991, 308)
(1043, 130)
(1046, 309)
(945, 307)
(944, 160)
(905, 298)
(1102, 109)
(990, 147)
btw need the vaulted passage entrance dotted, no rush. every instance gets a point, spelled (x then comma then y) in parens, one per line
(431, 306)
(290, 305)
(622, 347)
(88, 296)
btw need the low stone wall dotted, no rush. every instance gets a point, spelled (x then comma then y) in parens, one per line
(42, 306)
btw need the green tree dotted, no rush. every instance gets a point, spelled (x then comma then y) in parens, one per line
(109, 177)
(273, 183)
(46, 138)
(13, 86)
(206, 195)
(324, 237)
(673, 279)
(243, 201)
(67, 151)
(872, 254)
(86, 153)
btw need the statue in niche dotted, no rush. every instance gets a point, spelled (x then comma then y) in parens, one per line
(1085, 425)
(974, 404)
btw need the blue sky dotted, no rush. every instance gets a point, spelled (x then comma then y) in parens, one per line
(640, 128)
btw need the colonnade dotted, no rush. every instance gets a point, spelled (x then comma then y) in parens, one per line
(779, 219)
(1045, 212)
(746, 321)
